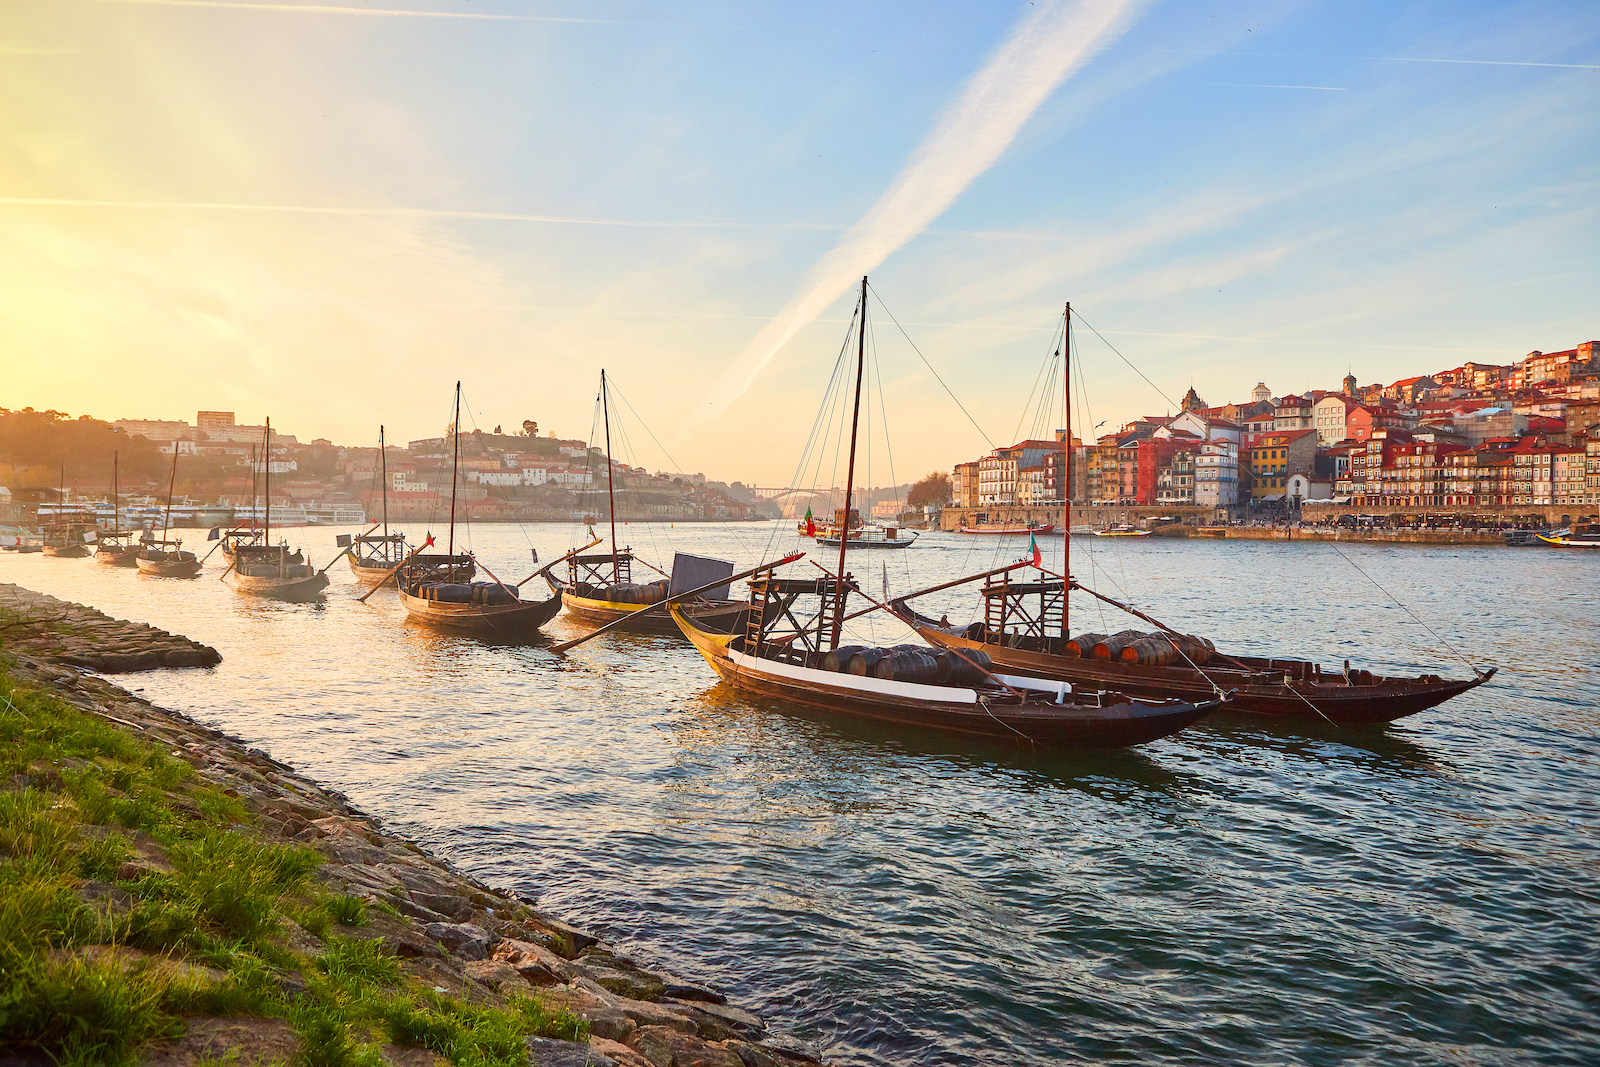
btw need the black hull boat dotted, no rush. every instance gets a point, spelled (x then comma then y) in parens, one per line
(1280, 688)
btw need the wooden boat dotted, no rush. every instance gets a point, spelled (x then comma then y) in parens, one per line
(67, 539)
(373, 557)
(1009, 528)
(1578, 535)
(1285, 688)
(1025, 631)
(439, 591)
(116, 549)
(265, 569)
(274, 571)
(1122, 529)
(64, 537)
(599, 589)
(795, 655)
(167, 559)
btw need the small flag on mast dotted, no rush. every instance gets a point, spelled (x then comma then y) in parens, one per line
(1033, 550)
(811, 525)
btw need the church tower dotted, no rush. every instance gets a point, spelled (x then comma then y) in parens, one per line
(1349, 385)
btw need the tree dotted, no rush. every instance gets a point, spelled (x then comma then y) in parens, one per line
(530, 428)
(933, 489)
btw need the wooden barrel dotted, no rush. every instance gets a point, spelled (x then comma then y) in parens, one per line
(863, 662)
(1082, 646)
(969, 666)
(1153, 651)
(839, 659)
(908, 665)
(947, 664)
(1111, 647)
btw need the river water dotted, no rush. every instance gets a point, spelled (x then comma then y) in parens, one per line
(1242, 892)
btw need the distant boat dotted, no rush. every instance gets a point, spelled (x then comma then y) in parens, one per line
(863, 535)
(117, 548)
(1578, 535)
(163, 558)
(265, 569)
(64, 537)
(1009, 528)
(1122, 529)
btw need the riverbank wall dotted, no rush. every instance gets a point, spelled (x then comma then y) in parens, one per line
(1336, 533)
(383, 950)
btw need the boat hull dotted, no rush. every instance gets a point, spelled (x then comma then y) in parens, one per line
(856, 543)
(169, 568)
(1011, 530)
(301, 588)
(725, 616)
(370, 575)
(484, 620)
(1328, 699)
(66, 551)
(1569, 542)
(1119, 724)
(122, 557)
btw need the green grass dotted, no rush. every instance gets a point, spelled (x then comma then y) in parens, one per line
(221, 905)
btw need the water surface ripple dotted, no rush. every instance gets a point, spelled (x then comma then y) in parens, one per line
(1243, 892)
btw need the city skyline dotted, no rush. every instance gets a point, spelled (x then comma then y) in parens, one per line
(261, 209)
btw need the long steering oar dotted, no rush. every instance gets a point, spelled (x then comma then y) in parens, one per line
(363, 599)
(346, 550)
(660, 604)
(545, 569)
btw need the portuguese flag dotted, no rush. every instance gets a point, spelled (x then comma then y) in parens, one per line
(811, 525)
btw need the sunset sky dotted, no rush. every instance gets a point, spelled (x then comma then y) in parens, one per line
(328, 214)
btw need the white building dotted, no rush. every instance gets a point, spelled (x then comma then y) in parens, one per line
(1216, 474)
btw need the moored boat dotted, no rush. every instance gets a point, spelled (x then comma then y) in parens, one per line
(70, 535)
(790, 649)
(1122, 529)
(599, 588)
(117, 548)
(1578, 535)
(1025, 630)
(167, 559)
(440, 591)
(265, 569)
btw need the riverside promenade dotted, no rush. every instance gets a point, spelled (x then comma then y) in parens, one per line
(198, 901)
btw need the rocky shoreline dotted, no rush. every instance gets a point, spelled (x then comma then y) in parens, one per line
(59, 631)
(448, 932)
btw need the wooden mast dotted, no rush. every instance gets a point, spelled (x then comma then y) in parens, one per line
(383, 459)
(850, 474)
(1066, 476)
(611, 493)
(266, 491)
(116, 521)
(455, 461)
(166, 522)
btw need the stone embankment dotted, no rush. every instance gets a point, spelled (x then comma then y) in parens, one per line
(1325, 533)
(448, 932)
(60, 631)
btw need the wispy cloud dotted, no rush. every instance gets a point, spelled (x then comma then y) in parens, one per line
(1042, 51)
(1245, 85)
(332, 9)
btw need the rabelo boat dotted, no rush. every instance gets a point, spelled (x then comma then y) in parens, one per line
(116, 548)
(599, 588)
(799, 658)
(266, 569)
(1025, 631)
(166, 557)
(439, 591)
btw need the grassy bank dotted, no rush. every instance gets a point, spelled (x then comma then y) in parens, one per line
(139, 900)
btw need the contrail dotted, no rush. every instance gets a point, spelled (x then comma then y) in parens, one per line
(1380, 59)
(1042, 51)
(502, 216)
(329, 9)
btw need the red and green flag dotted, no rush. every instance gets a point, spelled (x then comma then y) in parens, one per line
(811, 525)
(1033, 550)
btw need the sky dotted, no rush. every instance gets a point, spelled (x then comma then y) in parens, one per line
(330, 213)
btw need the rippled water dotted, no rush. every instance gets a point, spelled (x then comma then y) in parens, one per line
(1243, 892)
